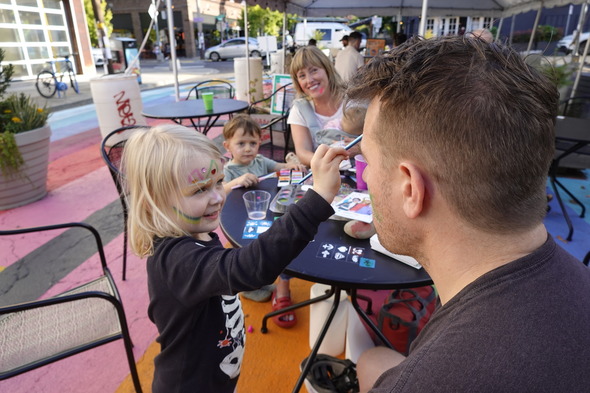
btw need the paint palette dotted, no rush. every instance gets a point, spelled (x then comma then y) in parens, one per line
(287, 196)
(287, 176)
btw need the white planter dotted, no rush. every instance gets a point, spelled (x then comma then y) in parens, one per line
(30, 184)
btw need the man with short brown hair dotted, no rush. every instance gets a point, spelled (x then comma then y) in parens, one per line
(458, 140)
(349, 60)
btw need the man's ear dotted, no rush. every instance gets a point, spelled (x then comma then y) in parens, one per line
(413, 187)
(226, 145)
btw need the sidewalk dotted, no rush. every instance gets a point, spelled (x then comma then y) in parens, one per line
(153, 74)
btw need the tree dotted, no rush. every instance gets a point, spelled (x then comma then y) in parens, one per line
(91, 20)
(262, 21)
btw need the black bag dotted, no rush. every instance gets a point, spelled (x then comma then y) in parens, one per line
(328, 374)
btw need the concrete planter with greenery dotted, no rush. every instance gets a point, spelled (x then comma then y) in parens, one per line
(24, 146)
(29, 183)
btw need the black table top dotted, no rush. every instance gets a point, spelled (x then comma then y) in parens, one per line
(191, 109)
(312, 266)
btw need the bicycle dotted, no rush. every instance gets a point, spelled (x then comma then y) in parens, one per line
(50, 81)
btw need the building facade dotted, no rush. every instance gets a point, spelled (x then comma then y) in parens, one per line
(33, 32)
(130, 17)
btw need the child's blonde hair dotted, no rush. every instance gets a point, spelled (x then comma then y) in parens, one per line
(353, 118)
(152, 165)
(245, 122)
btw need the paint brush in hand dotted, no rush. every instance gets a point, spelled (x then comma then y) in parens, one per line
(347, 147)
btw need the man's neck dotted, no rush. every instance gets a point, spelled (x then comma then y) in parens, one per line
(455, 262)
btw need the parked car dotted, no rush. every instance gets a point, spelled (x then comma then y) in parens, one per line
(236, 47)
(98, 57)
(566, 44)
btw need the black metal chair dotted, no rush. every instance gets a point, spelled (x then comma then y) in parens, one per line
(219, 88)
(572, 138)
(576, 107)
(36, 333)
(275, 109)
(111, 150)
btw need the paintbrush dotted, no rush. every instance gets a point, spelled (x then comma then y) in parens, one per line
(347, 147)
(261, 178)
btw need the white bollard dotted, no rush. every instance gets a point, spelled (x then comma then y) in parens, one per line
(254, 83)
(335, 338)
(117, 98)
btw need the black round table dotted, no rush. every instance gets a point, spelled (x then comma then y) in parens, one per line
(195, 109)
(310, 265)
(313, 264)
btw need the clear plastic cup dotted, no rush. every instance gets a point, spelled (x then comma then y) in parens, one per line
(256, 202)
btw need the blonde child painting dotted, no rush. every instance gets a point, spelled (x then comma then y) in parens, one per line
(175, 188)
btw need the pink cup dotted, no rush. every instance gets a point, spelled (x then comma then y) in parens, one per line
(360, 167)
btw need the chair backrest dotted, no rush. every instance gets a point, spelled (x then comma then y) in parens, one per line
(576, 107)
(112, 147)
(279, 102)
(36, 333)
(219, 88)
(572, 142)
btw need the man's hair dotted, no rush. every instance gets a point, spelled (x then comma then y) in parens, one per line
(355, 35)
(312, 56)
(245, 122)
(475, 116)
(153, 165)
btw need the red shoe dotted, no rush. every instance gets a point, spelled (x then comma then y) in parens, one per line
(286, 320)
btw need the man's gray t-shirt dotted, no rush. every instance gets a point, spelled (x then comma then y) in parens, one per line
(523, 327)
(259, 166)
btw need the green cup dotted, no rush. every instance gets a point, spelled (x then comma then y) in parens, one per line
(208, 101)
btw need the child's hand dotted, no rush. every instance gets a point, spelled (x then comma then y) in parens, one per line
(325, 166)
(247, 180)
(297, 167)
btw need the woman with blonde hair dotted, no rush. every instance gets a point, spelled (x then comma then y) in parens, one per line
(320, 92)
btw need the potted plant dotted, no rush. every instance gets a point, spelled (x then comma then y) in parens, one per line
(24, 146)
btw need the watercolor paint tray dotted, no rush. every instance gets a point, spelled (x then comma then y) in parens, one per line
(287, 196)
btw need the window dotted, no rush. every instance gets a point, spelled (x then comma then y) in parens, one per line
(30, 18)
(326, 34)
(55, 19)
(7, 16)
(58, 36)
(235, 42)
(33, 35)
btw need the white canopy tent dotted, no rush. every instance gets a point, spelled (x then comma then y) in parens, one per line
(493, 8)
(486, 8)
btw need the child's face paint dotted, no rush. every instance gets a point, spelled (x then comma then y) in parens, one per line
(242, 147)
(202, 199)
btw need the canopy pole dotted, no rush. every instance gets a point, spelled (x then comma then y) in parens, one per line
(497, 37)
(583, 13)
(284, 41)
(172, 42)
(422, 29)
(512, 22)
(579, 28)
(537, 18)
(246, 32)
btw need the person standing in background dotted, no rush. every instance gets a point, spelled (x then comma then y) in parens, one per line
(350, 60)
